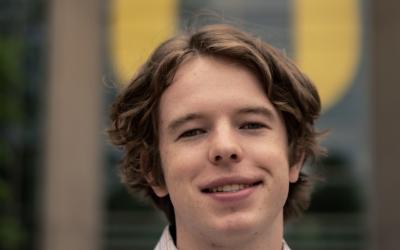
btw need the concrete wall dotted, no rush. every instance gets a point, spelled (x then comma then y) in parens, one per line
(385, 98)
(72, 188)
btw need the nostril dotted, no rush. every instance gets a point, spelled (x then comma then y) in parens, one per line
(219, 158)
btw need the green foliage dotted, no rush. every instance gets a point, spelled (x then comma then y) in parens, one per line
(5, 192)
(22, 34)
(10, 80)
(11, 233)
(10, 61)
(11, 116)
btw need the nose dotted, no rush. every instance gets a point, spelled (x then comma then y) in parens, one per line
(225, 148)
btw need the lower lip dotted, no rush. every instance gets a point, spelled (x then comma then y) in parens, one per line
(229, 197)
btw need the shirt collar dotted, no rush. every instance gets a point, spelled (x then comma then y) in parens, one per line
(167, 243)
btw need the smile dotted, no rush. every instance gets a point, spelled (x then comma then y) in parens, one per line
(229, 188)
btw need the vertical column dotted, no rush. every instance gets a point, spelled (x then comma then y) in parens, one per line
(71, 212)
(385, 96)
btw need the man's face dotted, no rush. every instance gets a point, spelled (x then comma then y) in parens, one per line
(224, 152)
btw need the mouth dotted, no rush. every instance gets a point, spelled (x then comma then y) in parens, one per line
(230, 188)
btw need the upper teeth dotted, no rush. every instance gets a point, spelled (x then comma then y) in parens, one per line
(230, 188)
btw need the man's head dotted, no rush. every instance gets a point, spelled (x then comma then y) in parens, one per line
(136, 115)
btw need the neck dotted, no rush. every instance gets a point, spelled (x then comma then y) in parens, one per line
(260, 238)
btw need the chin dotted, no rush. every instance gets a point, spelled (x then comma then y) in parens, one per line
(246, 224)
(236, 225)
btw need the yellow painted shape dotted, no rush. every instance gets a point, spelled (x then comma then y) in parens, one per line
(327, 44)
(136, 28)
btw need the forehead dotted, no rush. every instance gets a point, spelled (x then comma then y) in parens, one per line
(197, 65)
(208, 83)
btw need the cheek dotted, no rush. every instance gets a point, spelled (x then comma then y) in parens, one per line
(270, 151)
(180, 164)
(180, 170)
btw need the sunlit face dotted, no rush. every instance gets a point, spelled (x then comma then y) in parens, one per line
(224, 153)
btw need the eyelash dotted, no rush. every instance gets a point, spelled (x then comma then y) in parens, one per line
(191, 133)
(197, 131)
(253, 125)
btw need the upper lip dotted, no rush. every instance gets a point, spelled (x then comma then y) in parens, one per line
(229, 181)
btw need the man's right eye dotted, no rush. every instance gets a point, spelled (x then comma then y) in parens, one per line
(191, 133)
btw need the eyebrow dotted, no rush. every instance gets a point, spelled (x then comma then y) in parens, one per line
(175, 124)
(258, 110)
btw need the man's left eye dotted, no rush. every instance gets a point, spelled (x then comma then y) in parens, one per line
(252, 125)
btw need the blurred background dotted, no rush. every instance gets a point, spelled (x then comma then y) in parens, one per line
(60, 63)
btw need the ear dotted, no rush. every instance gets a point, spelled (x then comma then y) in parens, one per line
(160, 190)
(294, 170)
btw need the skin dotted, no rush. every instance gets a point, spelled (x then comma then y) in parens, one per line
(216, 122)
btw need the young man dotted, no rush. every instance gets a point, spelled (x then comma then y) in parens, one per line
(216, 127)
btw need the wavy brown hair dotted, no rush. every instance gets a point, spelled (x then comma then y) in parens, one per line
(134, 114)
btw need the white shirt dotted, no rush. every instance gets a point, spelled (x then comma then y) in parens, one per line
(167, 243)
